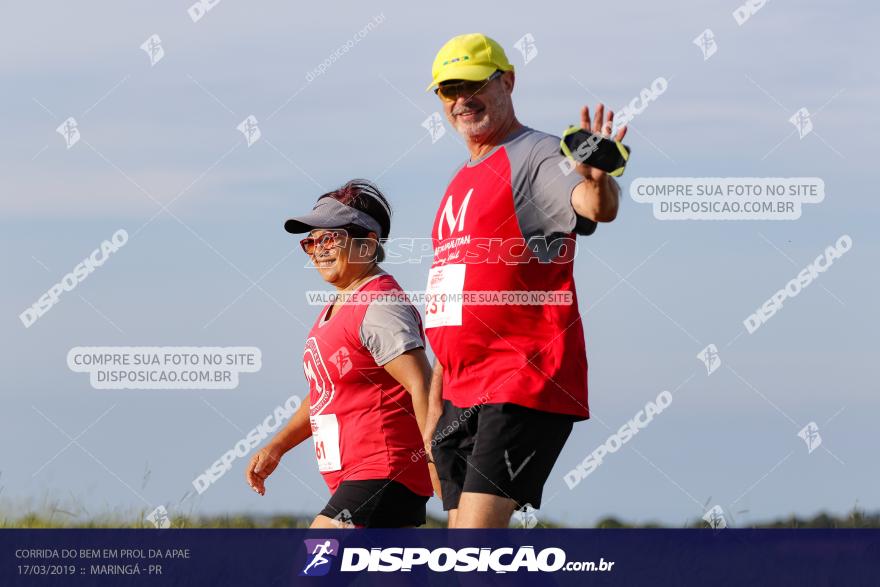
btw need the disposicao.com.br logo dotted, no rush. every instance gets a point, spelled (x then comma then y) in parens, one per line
(319, 552)
(443, 559)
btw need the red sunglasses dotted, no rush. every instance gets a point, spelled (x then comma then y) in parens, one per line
(327, 240)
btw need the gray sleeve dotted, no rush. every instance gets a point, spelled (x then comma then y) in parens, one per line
(542, 190)
(389, 330)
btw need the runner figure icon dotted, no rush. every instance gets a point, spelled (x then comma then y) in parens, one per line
(318, 558)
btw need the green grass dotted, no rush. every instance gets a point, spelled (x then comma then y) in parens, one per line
(61, 520)
(855, 519)
(52, 514)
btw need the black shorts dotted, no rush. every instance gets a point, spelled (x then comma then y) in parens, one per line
(376, 503)
(500, 449)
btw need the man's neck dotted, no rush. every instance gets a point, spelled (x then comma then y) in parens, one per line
(482, 145)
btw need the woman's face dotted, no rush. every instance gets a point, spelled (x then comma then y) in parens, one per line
(342, 259)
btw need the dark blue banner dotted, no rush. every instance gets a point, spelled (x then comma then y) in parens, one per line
(439, 557)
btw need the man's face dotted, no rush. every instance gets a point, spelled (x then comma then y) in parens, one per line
(476, 116)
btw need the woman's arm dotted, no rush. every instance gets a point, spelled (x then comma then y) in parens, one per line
(412, 370)
(297, 429)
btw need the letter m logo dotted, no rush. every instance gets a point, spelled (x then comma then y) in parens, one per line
(321, 386)
(451, 218)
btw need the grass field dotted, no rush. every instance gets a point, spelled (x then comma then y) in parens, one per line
(56, 517)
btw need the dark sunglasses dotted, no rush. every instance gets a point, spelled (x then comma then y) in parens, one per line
(327, 240)
(455, 90)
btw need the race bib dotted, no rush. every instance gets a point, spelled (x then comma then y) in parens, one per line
(443, 296)
(325, 433)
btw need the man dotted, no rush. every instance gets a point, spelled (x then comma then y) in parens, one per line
(509, 380)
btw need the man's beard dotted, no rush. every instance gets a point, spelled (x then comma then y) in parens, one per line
(493, 113)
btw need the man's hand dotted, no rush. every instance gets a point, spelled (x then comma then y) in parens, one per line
(597, 197)
(600, 127)
(432, 469)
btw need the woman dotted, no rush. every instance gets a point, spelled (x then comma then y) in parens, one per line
(367, 371)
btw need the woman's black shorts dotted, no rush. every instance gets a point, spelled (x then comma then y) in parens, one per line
(376, 503)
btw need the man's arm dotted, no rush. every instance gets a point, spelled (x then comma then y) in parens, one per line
(598, 196)
(435, 405)
(595, 199)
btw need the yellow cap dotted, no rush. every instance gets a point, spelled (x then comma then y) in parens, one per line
(472, 57)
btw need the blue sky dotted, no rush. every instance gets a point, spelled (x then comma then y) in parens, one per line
(168, 133)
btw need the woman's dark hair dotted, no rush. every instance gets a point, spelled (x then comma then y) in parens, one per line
(365, 196)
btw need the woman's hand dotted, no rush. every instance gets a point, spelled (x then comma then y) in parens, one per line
(261, 466)
(264, 462)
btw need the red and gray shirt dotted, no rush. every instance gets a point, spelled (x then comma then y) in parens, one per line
(363, 422)
(491, 234)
